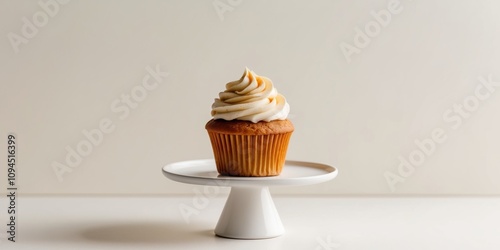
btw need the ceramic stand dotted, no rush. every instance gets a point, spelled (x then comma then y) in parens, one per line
(249, 212)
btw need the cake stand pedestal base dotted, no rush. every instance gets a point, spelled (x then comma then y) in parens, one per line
(249, 213)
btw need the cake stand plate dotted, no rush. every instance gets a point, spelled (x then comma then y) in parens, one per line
(249, 212)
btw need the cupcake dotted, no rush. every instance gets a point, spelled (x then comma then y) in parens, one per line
(250, 131)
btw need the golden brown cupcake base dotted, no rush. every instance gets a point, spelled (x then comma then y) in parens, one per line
(243, 148)
(249, 128)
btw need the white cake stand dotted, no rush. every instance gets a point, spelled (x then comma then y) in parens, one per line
(249, 212)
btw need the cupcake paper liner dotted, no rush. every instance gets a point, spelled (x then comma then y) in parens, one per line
(249, 155)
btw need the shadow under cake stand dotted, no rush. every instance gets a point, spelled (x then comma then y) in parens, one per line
(249, 212)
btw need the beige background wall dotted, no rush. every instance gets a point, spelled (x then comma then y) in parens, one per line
(67, 68)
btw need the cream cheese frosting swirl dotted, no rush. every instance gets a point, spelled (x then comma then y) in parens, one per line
(251, 98)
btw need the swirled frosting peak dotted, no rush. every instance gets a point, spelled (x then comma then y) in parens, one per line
(251, 98)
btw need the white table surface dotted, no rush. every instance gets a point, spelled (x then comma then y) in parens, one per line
(310, 223)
